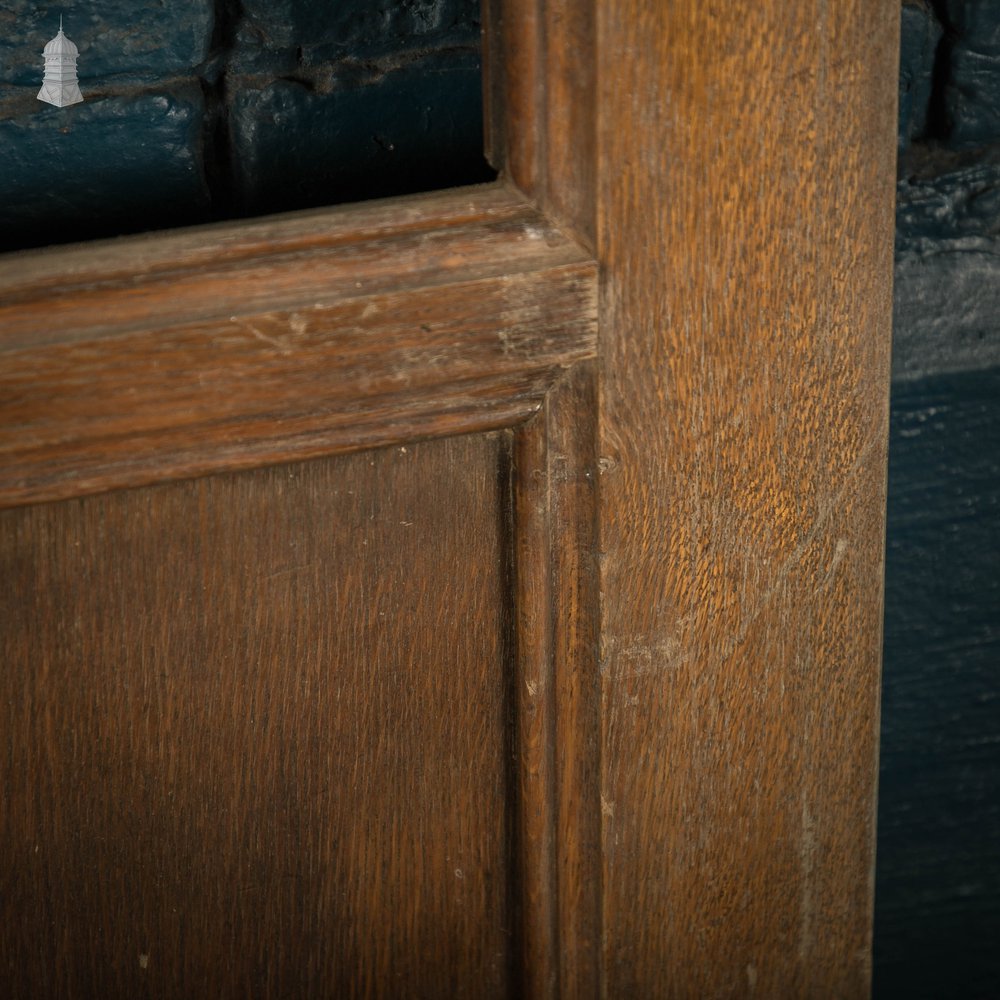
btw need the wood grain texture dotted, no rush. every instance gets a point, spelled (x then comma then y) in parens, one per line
(540, 92)
(557, 691)
(745, 243)
(255, 734)
(570, 414)
(534, 702)
(287, 261)
(300, 337)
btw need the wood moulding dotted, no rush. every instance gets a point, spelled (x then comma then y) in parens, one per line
(164, 356)
(556, 697)
(139, 361)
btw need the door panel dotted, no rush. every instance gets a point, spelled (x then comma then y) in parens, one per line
(258, 735)
(662, 580)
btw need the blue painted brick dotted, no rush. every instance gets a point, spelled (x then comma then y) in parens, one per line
(962, 203)
(412, 128)
(921, 34)
(972, 93)
(327, 103)
(116, 38)
(355, 28)
(102, 166)
(937, 913)
(947, 289)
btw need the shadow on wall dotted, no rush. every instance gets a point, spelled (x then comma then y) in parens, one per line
(937, 906)
(222, 108)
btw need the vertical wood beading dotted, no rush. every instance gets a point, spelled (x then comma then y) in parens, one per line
(540, 89)
(571, 410)
(534, 712)
(557, 692)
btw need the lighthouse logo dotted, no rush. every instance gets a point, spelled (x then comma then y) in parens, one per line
(59, 85)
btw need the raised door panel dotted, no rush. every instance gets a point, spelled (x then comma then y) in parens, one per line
(257, 733)
(317, 729)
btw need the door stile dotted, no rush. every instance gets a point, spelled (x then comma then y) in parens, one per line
(734, 175)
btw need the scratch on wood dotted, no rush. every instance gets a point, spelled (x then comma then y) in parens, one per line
(838, 556)
(638, 659)
(290, 569)
(261, 336)
(826, 511)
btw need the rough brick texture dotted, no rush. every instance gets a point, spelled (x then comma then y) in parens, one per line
(947, 301)
(353, 29)
(202, 110)
(937, 901)
(116, 38)
(972, 91)
(921, 34)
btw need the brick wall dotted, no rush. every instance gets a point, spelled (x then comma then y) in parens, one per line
(948, 194)
(937, 905)
(202, 109)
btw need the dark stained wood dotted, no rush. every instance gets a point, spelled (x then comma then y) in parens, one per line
(569, 124)
(301, 260)
(540, 94)
(455, 322)
(534, 701)
(558, 690)
(513, 82)
(571, 412)
(746, 221)
(494, 85)
(570, 417)
(255, 734)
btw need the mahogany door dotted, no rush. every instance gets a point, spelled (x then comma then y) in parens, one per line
(474, 594)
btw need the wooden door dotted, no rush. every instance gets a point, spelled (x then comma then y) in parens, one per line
(475, 594)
